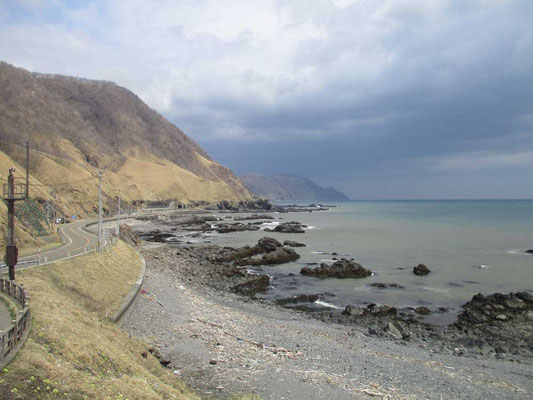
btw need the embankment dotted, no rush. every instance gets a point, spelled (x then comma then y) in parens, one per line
(74, 351)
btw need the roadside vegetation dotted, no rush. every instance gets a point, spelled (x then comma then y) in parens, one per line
(74, 351)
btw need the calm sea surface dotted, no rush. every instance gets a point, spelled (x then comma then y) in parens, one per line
(470, 247)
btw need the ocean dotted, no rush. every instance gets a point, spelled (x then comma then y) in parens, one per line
(470, 246)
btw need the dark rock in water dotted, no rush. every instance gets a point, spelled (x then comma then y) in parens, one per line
(254, 216)
(303, 298)
(529, 251)
(291, 243)
(157, 236)
(334, 254)
(288, 227)
(342, 269)
(280, 256)
(260, 284)
(238, 227)
(269, 244)
(370, 310)
(273, 253)
(421, 269)
(386, 285)
(422, 310)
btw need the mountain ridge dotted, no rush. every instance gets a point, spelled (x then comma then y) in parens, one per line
(288, 187)
(78, 126)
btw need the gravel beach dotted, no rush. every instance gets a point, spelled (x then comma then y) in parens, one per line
(224, 344)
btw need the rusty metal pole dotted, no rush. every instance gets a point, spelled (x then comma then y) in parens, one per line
(11, 247)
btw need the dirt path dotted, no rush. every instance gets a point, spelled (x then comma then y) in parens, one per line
(222, 344)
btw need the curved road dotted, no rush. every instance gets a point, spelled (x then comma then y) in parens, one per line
(76, 241)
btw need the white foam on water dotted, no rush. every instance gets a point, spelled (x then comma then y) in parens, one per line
(326, 304)
(311, 227)
(271, 224)
(482, 266)
(434, 289)
(517, 252)
(252, 272)
(316, 252)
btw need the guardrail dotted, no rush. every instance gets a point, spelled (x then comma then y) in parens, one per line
(14, 337)
(41, 261)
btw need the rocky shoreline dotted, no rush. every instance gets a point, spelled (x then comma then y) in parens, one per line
(498, 325)
(504, 329)
(494, 327)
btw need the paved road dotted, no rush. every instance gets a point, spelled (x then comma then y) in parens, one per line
(76, 241)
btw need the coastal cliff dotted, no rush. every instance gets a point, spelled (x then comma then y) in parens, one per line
(287, 187)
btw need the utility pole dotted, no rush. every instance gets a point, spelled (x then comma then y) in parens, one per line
(27, 170)
(100, 172)
(48, 211)
(118, 217)
(12, 193)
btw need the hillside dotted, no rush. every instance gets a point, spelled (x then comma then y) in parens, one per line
(286, 187)
(77, 126)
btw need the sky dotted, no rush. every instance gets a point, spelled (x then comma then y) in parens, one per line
(403, 99)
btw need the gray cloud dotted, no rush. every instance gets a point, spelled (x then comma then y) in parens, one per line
(366, 95)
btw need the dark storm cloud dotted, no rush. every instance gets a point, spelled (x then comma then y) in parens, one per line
(380, 98)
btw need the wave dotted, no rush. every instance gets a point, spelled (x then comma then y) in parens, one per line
(518, 252)
(326, 304)
(271, 224)
(434, 289)
(316, 252)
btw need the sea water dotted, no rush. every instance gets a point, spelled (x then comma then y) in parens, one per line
(470, 247)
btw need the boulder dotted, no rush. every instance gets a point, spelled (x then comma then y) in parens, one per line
(129, 235)
(238, 227)
(496, 307)
(421, 269)
(259, 284)
(303, 298)
(291, 243)
(382, 311)
(353, 311)
(288, 227)
(254, 216)
(422, 310)
(529, 251)
(269, 244)
(279, 256)
(342, 269)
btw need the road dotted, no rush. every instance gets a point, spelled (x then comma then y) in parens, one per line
(76, 241)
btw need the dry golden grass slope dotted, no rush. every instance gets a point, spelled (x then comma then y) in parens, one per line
(74, 351)
(78, 126)
(23, 233)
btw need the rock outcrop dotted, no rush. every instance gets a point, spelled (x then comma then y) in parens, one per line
(291, 243)
(421, 270)
(288, 227)
(342, 269)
